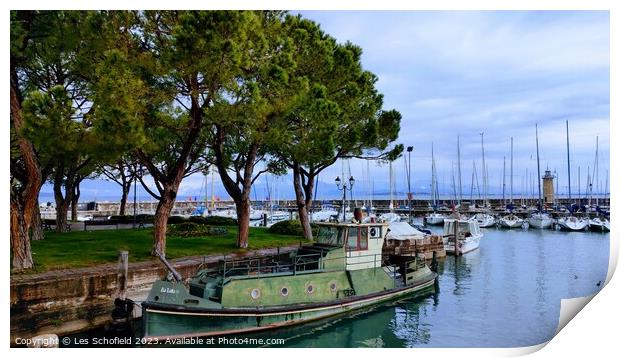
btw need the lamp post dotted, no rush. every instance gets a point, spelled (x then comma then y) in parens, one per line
(409, 194)
(135, 178)
(344, 187)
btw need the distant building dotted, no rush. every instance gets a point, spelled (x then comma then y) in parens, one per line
(548, 187)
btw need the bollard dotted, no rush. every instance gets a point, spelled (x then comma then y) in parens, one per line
(121, 278)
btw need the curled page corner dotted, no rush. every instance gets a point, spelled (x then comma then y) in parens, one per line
(569, 307)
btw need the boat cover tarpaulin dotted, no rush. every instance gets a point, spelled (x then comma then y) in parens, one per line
(403, 231)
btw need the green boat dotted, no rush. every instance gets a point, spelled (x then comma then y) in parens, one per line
(343, 270)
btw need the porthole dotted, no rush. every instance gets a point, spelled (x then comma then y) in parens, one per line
(332, 286)
(310, 289)
(284, 291)
(255, 294)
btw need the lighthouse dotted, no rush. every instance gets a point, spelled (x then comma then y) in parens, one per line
(548, 187)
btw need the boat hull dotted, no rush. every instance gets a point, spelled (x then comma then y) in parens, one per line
(434, 220)
(572, 224)
(162, 321)
(510, 223)
(598, 225)
(539, 223)
(465, 246)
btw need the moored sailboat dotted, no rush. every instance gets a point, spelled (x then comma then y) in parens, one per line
(434, 218)
(511, 221)
(598, 224)
(540, 219)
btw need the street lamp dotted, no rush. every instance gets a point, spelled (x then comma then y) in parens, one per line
(137, 173)
(344, 187)
(409, 194)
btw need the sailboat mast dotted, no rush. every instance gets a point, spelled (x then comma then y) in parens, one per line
(504, 182)
(391, 189)
(511, 175)
(598, 192)
(579, 184)
(433, 179)
(484, 177)
(538, 169)
(212, 193)
(458, 151)
(568, 158)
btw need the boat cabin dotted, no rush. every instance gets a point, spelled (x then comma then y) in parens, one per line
(362, 242)
(466, 228)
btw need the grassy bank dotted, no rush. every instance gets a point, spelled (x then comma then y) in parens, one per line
(87, 248)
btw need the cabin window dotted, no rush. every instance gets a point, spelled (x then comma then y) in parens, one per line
(357, 239)
(310, 289)
(352, 239)
(363, 240)
(255, 294)
(330, 236)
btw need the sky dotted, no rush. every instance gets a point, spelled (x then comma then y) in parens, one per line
(462, 73)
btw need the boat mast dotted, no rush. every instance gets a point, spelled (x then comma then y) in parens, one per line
(568, 158)
(598, 192)
(589, 188)
(504, 183)
(433, 179)
(458, 151)
(212, 193)
(511, 171)
(391, 189)
(484, 177)
(579, 184)
(538, 167)
(471, 188)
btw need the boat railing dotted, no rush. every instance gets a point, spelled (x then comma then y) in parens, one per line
(312, 262)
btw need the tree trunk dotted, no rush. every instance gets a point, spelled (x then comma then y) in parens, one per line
(74, 202)
(62, 206)
(121, 210)
(36, 228)
(23, 202)
(166, 203)
(243, 220)
(302, 207)
(20, 244)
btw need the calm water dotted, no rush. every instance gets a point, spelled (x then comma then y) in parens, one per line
(506, 294)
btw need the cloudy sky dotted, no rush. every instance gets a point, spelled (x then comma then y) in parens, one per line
(453, 74)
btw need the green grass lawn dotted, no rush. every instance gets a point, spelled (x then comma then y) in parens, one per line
(87, 248)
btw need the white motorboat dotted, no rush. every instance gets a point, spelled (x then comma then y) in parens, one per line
(469, 235)
(573, 223)
(598, 224)
(484, 220)
(540, 220)
(327, 213)
(390, 217)
(434, 219)
(511, 221)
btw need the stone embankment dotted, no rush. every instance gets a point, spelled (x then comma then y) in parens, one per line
(74, 300)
